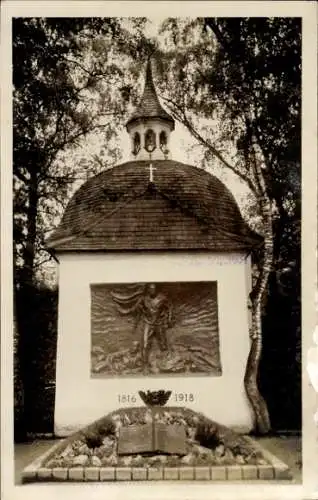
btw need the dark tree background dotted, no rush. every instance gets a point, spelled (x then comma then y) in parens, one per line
(66, 88)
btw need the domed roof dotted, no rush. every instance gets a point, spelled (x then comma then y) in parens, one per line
(149, 106)
(183, 208)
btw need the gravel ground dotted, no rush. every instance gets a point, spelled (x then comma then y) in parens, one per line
(287, 449)
(25, 453)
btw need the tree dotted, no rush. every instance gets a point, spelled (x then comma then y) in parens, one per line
(242, 77)
(66, 88)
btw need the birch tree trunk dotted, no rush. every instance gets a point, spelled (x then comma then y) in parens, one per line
(262, 423)
(254, 179)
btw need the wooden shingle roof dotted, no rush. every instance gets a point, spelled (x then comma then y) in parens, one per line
(184, 208)
(149, 106)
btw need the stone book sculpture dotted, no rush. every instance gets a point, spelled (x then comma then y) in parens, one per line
(152, 438)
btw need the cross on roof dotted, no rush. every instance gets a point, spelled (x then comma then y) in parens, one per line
(151, 170)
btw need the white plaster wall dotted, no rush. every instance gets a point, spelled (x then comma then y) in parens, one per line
(81, 399)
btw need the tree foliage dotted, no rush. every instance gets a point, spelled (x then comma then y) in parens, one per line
(70, 82)
(234, 79)
(243, 75)
(235, 83)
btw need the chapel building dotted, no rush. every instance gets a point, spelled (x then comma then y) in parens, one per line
(152, 220)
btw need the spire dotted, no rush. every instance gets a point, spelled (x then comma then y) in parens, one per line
(149, 106)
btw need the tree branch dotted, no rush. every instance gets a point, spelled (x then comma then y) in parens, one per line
(182, 117)
(20, 176)
(89, 72)
(44, 261)
(217, 32)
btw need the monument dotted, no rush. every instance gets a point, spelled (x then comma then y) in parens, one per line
(154, 280)
(153, 443)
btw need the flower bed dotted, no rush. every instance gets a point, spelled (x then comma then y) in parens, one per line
(208, 443)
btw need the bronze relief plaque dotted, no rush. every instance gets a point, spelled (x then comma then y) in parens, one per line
(154, 328)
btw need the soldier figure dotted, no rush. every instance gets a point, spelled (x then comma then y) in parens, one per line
(153, 311)
(156, 316)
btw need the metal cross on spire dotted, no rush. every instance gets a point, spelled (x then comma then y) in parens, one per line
(151, 171)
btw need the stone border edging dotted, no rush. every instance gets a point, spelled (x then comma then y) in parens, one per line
(281, 469)
(30, 471)
(274, 470)
(213, 473)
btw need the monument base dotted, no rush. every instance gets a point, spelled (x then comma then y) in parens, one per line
(274, 471)
(156, 443)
